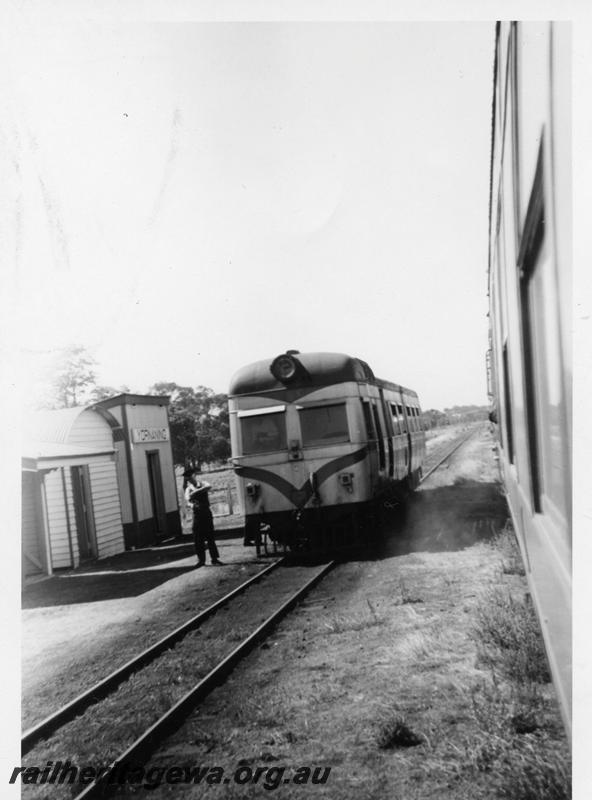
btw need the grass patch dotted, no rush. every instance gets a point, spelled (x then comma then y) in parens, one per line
(518, 743)
(408, 596)
(506, 545)
(535, 775)
(416, 646)
(509, 639)
(393, 732)
(340, 623)
(523, 760)
(507, 709)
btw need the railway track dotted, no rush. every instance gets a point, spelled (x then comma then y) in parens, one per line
(456, 446)
(148, 741)
(109, 684)
(143, 745)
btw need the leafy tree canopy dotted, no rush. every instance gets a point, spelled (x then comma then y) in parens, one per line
(198, 418)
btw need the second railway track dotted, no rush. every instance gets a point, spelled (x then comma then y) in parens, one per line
(140, 710)
(111, 682)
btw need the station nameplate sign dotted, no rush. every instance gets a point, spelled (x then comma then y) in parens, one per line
(140, 435)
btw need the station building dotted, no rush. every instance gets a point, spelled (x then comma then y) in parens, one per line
(147, 483)
(96, 481)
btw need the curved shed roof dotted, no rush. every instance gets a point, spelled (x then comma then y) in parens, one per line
(56, 425)
(52, 426)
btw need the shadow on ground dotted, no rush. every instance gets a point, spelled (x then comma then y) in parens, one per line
(90, 587)
(87, 583)
(446, 519)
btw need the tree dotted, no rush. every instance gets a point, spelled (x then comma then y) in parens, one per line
(199, 426)
(434, 418)
(73, 378)
(105, 392)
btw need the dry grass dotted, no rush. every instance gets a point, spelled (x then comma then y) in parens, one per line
(509, 639)
(515, 745)
(393, 731)
(506, 546)
(519, 744)
(340, 623)
(408, 596)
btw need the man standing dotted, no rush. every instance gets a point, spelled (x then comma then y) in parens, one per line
(196, 494)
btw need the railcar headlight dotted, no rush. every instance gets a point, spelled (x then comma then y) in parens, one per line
(283, 368)
(252, 490)
(346, 478)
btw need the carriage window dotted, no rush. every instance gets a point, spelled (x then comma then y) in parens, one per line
(507, 411)
(396, 422)
(263, 433)
(545, 407)
(324, 425)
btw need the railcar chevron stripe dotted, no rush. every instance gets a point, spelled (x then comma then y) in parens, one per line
(301, 496)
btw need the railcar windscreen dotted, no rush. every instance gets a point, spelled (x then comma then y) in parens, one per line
(263, 433)
(324, 425)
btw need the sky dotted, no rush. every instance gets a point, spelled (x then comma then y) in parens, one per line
(192, 197)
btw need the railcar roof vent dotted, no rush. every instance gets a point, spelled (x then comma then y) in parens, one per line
(292, 352)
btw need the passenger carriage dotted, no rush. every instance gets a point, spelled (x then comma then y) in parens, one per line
(529, 362)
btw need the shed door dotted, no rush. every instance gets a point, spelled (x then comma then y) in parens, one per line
(156, 493)
(85, 523)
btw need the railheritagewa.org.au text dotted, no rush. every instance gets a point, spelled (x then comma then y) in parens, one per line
(151, 777)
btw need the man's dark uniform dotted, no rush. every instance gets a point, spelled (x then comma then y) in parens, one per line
(203, 526)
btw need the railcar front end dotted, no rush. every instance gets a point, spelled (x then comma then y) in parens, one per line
(316, 441)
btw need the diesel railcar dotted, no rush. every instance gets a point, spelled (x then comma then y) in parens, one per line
(317, 443)
(529, 296)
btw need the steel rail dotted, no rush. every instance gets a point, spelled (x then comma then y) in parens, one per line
(447, 456)
(139, 751)
(100, 690)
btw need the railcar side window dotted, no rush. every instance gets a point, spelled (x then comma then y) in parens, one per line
(324, 425)
(402, 418)
(370, 434)
(396, 421)
(409, 419)
(381, 451)
(263, 433)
